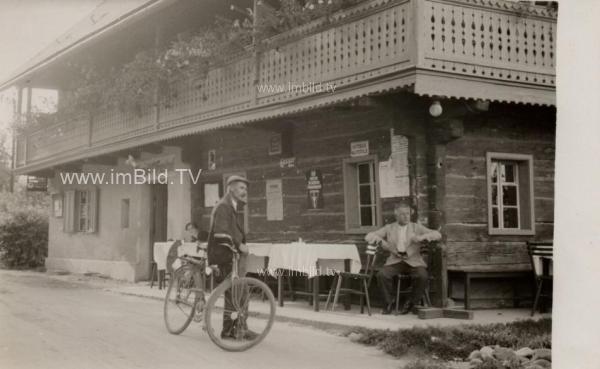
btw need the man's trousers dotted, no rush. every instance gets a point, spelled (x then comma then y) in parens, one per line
(385, 280)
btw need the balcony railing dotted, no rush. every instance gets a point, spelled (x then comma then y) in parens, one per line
(377, 46)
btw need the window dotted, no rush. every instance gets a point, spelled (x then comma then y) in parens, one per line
(360, 194)
(80, 210)
(510, 194)
(125, 213)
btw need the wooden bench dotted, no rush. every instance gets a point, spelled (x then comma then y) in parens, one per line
(486, 272)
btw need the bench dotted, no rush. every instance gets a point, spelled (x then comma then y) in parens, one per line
(469, 273)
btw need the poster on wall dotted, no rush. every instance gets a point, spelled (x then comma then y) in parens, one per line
(57, 205)
(394, 178)
(211, 194)
(314, 186)
(274, 194)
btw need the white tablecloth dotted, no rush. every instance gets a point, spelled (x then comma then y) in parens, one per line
(303, 257)
(300, 257)
(256, 259)
(161, 249)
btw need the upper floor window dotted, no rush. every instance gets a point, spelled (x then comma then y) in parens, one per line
(510, 194)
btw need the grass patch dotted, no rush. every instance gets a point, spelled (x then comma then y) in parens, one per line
(457, 342)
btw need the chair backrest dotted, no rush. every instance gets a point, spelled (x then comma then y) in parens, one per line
(538, 251)
(371, 253)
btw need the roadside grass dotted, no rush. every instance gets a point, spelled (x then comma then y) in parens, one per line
(456, 342)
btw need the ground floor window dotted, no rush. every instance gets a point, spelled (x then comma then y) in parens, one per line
(361, 196)
(510, 194)
(80, 210)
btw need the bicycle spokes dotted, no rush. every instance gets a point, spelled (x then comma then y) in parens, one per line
(238, 315)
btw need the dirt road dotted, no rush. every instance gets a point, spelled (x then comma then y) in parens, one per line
(50, 323)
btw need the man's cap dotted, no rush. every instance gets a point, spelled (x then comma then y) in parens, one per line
(235, 178)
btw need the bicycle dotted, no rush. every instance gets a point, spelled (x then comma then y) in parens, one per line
(186, 300)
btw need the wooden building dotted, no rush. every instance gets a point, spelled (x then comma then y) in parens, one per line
(447, 105)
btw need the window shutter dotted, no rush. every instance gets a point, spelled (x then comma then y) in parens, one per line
(93, 210)
(69, 211)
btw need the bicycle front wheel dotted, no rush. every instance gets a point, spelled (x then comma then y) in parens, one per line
(181, 300)
(239, 314)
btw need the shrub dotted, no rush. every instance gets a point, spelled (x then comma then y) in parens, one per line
(458, 342)
(24, 240)
(23, 230)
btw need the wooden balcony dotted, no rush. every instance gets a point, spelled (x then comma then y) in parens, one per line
(477, 49)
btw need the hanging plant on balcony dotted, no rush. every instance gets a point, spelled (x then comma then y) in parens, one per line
(294, 13)
(189, 58)
(134, 87)
(85, 92)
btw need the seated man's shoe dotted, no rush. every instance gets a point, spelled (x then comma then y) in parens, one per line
(407, 308)
(387, 310)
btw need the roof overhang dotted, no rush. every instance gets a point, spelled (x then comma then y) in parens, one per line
(431, 83)
(107, 19)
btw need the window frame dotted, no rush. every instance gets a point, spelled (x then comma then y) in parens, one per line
(72, 207)
(518, 159)
(348, 205)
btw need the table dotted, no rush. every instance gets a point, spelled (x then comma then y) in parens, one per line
(312, 259)
(259, 253)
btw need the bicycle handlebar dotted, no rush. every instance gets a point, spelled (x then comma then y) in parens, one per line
(225, 240)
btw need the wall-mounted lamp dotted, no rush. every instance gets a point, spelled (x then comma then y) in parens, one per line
(435, 109)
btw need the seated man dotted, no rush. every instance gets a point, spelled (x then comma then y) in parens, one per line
(401, 239)
(191, 232)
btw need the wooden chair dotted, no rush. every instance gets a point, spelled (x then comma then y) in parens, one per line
(426, 299)
(540, 254)
(364, 277)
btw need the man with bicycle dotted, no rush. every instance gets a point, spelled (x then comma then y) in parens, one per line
(227, 226)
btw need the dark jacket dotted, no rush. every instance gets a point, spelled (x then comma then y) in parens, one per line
(225, 220)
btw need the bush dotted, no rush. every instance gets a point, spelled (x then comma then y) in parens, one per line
(23, 230)
(458, 342)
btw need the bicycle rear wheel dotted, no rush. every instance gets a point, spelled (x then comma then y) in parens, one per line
(239, 314)
(181, 300)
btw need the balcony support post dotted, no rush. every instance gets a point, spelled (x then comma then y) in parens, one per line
(28, 111)
(90, 127)
(158, 41)
(439, 133)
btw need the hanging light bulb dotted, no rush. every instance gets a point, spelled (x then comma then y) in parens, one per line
(435, 109)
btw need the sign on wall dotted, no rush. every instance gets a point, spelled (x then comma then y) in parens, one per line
(314, 186)
(212, 160)
(359, 148)
(37, 184)
(275, 144)
(274, 194)
(287, 162)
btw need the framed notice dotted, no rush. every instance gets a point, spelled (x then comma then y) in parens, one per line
(274, 194)
(57, 205)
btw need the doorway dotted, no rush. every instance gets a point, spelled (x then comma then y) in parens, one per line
(158, 224)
